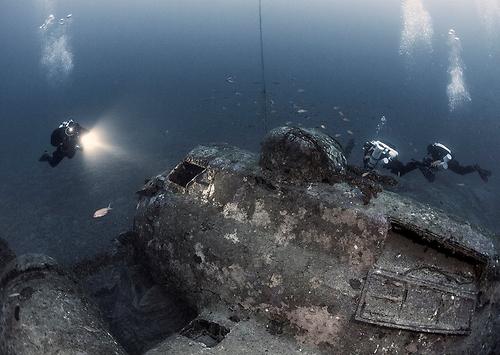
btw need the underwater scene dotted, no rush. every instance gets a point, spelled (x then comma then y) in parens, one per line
(249, 176)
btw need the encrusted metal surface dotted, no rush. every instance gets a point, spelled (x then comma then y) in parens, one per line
(414, 303)
(305, 253)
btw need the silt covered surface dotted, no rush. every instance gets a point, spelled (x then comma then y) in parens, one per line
(335, 272)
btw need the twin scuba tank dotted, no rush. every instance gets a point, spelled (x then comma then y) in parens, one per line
(381, 154)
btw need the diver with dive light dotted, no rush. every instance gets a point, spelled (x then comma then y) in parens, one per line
(67, 140)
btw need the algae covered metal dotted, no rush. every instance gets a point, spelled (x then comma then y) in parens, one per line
(44, 312)
(290, 237)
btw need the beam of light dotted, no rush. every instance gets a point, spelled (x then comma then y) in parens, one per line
(97, 144)
(94, 142)
(417, 28)
(456, 90)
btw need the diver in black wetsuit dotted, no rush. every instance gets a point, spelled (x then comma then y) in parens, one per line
(66, 138)
(438, 158)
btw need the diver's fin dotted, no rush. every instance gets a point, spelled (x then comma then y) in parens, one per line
(45, 157)
(483, 173)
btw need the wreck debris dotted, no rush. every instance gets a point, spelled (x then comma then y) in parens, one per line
(49, 312)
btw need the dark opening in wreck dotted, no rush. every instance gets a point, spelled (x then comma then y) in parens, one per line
(206, 332)
(184, 173)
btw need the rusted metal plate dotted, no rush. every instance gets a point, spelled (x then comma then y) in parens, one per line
(408, 302)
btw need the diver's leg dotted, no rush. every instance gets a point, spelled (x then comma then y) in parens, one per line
(395, 166)
(455, 166)
(56, 158)
(70, 153)
(398, 168)
(427, 173)
(410, 166)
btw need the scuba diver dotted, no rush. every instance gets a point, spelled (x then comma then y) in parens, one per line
(67, 140)
(382, 155)
(439, 157)
(378, 154)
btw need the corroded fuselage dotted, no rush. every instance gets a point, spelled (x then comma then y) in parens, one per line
(391, 275)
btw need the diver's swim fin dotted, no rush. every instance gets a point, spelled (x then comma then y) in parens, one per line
(483, 173)
(45, 157)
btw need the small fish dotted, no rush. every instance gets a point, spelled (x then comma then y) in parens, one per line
(345, 119)
(336, 108)
(89, 329)
(460, 184)
(341, 113)
(337, 135)
(230, 79)
(14, 294)
(350, 132)
(69, 15)
(102, 211)
(301, 110)
(365, 174)
(300, 91)
(323, 126)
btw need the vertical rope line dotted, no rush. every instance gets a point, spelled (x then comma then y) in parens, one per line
(263, 73)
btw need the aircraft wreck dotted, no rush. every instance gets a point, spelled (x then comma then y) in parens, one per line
(288, 237)
(290, 251)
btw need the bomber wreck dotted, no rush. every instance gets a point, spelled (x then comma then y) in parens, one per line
(289, 238)
(294, 251)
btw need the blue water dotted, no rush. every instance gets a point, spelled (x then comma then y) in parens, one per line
(164, 76)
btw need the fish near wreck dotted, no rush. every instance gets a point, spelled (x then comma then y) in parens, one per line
(102, 212)
(289, 238)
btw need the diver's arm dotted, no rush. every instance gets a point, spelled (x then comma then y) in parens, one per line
(395, 166)
(82, 130)
(57, 137)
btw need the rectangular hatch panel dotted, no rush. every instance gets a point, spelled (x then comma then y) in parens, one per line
(418, 287)
(410, 303)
